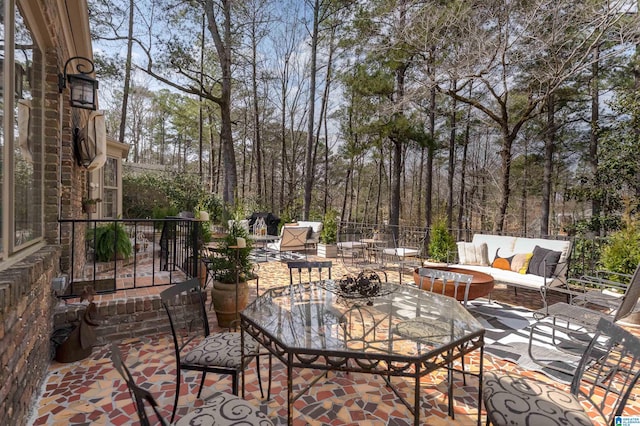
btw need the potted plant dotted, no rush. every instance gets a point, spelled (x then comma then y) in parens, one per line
(89, 204)
(110, 241)
(232, 269)
(327, 247)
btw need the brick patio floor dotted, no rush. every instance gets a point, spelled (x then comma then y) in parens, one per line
(91, 392)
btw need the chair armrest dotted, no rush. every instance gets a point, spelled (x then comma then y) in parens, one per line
(562, 277)
(612, 276)
(591, 283)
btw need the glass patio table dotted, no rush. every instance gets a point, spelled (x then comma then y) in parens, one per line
(399, 330)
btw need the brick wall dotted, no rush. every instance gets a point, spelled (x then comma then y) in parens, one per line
(119, 319)
(26, 311)
(123, 318)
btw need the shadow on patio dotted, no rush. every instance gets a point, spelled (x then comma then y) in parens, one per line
(91, 391)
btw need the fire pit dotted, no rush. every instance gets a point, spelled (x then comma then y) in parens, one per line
(481, 285)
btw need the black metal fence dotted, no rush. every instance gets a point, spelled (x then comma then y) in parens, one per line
(123, 254)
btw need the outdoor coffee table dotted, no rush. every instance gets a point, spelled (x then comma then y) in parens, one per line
(402, 331)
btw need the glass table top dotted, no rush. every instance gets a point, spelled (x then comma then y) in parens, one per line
(399, 321)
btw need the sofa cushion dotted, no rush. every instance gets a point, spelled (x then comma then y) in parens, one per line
(529, 281)
(500, 262)
(472, 254)
(315, 228)
(526, 245)
(543, 262)
(495, 242)
(520, 262)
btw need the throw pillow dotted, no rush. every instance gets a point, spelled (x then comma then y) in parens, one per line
(482, 254)
(472, 254)
(543, 262)
(520, 262)
(502, 262)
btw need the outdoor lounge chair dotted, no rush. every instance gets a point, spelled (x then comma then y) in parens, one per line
(579, 311)
(605, 289)
(604, 379)
(292, 238)
(569, 326)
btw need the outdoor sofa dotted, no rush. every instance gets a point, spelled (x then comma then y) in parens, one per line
(531, 263)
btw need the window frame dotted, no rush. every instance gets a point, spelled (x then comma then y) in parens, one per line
(7, 162)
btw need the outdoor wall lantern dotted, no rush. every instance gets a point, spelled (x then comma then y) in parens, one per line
(83, 88)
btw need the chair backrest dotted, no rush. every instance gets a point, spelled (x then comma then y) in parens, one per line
(294, 237)
(141, 397)
(309, 267)
(609, 370)
(185, 307)
(430, 277)
(630, 298)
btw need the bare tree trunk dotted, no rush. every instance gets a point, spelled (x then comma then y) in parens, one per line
(380, 180)
(127, 80)
(596, 206)
(323, 116)
(428, 206)
(549, 146)
(463, 172)
(223, 49)
(308, 162)
(257, 142)
(200, 105)
(421, 167)
(452, 156)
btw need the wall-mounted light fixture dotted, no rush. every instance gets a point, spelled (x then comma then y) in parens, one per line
(83, 88)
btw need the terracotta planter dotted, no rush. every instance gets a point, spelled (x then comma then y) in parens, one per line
(224, 297)
(89, 207)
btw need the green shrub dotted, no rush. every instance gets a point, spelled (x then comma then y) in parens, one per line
(441, 243)
(329, 233)
(622, 251)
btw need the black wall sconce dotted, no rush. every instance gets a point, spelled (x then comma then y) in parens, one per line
(83, 88)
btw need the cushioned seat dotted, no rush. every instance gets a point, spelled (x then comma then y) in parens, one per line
(513, 400)
(401, 252)
(223, 409)
(602, 383)
(222, 349)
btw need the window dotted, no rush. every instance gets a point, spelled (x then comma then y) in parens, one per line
(21, 153)
(110, 188)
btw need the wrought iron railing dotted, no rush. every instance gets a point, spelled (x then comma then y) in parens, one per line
(144, 253)
(584, 257)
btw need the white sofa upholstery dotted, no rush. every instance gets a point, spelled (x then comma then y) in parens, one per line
(316, 229)
(507, 246)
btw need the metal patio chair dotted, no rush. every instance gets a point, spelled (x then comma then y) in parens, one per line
(570, 326)
(313, 270)
(604, 380)
(196, 349)
(215, 408)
